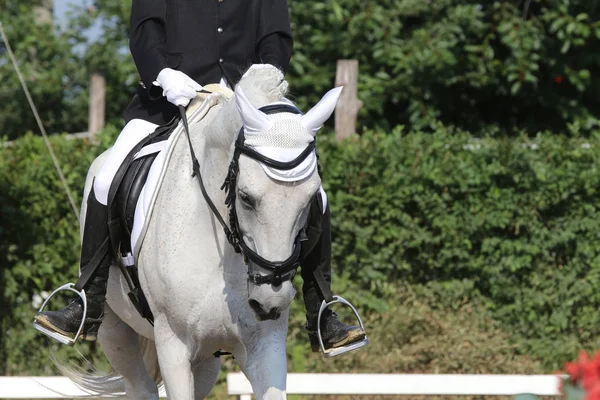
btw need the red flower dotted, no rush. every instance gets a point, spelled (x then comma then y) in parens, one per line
(584, 370)
(591, 373)
(559, 79)
(593, 393)
(584, 373)
(572, 369)
(583, 358)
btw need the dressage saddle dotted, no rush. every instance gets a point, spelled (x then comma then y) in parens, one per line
(122, 199)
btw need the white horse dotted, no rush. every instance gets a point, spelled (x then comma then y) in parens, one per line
(197, 286)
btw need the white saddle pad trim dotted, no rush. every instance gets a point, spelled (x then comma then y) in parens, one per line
(151, 149)
(148, 194)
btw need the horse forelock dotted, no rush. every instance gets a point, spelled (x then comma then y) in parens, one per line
(264, 84)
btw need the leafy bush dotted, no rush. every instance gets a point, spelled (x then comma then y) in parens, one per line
(39, 243)
(515, 218)
(489, 67)
(483, 66)
(417, 334)
(505, 227)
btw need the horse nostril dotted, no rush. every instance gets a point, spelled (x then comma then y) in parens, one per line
(255, 305)
(263, 314)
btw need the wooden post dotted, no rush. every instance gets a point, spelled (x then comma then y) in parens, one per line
(349, 105)
(97, 104)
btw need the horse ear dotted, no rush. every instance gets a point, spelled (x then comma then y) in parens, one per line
(314, 119)
(255, 121)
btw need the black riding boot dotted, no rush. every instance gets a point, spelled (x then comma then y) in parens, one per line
(316, 253)
(67, 321)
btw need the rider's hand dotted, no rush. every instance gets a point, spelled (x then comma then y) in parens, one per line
(177, 87)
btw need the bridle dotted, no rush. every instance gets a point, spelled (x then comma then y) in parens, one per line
(280, 270)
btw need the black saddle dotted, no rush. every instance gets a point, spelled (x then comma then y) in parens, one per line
(122, 199)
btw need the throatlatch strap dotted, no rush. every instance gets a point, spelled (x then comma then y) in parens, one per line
(91, 267)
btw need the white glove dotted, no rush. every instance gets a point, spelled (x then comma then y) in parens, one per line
(177, 87)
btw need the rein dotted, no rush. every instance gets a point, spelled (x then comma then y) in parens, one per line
(281, 270)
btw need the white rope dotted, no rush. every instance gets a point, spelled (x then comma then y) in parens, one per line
(39, 122)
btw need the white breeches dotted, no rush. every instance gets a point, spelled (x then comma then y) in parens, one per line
(131, 135)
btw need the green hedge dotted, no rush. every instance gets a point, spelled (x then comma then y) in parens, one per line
(418, 335)
(512, 220)
(39, 243)
(509, 225)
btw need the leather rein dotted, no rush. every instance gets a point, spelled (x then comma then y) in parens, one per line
(280, 270)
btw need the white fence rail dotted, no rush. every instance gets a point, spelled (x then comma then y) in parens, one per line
(51, 387)
(406, 384)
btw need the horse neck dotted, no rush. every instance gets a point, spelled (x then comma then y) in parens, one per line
(213, 140)
(215, 143)
(218, 139)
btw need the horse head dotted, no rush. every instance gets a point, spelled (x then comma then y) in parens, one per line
(272, 180)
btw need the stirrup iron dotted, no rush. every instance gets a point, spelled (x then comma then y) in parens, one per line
(336, 351)
(58, 336)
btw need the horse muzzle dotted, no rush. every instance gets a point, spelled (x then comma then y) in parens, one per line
(263, 314)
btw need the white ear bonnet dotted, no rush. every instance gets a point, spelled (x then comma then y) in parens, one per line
(284, 136)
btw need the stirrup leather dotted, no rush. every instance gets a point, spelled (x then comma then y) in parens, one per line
(56, 335)
(332, 352)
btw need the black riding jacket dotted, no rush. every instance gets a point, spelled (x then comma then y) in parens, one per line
(205, 39)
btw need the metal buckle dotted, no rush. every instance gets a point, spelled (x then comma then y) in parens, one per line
(343, 349)
(58, 336)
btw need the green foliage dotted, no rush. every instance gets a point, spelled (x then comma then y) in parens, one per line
(481, 66)
(108, 53)
(51, 71)
(421, 334)
(505, 225)
(57, 63)
(39, 244)
(513, 220)
(492, 67)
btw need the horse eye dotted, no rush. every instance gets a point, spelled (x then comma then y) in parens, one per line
(246, 199)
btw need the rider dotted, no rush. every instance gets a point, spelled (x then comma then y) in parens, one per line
(171, 61)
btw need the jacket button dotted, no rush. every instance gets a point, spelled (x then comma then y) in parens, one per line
(220, 60)
(220, 30)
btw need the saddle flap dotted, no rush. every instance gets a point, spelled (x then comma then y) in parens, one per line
(127, 186)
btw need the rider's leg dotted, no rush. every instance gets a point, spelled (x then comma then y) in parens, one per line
(316, 253)
(130, 136)
(93, 247)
